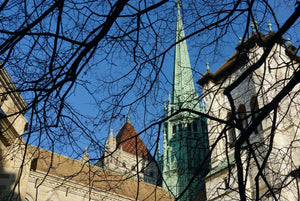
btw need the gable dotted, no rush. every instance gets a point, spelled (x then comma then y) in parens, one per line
(131, 142)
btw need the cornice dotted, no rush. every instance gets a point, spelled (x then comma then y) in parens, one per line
(12, 91)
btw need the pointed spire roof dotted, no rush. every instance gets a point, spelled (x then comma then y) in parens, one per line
(183, 84)
(111, 135)
(85, 158)
(131, 142)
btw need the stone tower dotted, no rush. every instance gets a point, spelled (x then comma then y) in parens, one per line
(274, 139)
(185, 143)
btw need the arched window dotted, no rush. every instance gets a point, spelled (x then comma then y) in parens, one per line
(28, 197)
(151, 174)
(174, 129)
(168, 156)
(189, 126)
(231, 132)
(254, 112)
(180, 127)
(243, 115)
(195, 126)
(33, 164)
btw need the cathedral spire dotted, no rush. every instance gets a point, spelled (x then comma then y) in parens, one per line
(184, 95)
(185, 129)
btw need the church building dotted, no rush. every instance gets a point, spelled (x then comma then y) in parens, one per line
(249, 137)
(127, 170)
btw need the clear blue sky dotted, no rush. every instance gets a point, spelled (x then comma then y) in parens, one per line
(101, 95)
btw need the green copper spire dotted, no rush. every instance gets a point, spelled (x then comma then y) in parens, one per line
(183, 84)
(185, 140)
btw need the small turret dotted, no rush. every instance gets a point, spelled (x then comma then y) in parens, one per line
(110, 143)
(85, 158)
(270, 26)
(207, 64)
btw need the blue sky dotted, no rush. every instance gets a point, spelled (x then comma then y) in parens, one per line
(93, 101)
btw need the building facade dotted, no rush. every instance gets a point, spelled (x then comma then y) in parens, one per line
(12, 126)
(267, 160)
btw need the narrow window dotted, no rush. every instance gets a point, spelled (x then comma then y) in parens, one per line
(33, 164)
(231, 131)
(180, 127)
(254, 113)
(189, 127)
(174, 128)
(195, 126)
(168, 156)
(243, 115)
(67, 191)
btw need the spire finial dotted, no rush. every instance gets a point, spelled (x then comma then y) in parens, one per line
(253, 25)
(270, 26)
(111, 135)
(288, 42)
(207, 64)
(240, 40)
(127, 117)
(178, 3)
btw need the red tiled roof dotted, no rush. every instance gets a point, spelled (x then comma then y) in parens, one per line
(131, 142)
